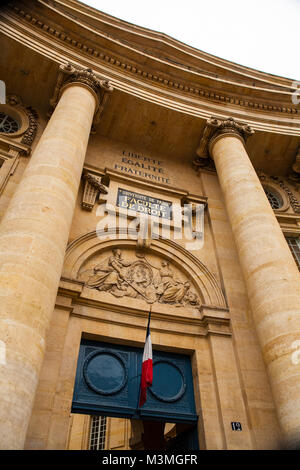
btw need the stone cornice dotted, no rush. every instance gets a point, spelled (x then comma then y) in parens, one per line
(20, 147)
(209, 320)
(162, 80)
(106, 175)
(160, 46)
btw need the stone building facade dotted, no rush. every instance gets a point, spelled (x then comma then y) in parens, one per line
(105, 121)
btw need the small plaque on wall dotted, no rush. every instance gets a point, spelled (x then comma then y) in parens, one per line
(144, 204)
(236, 426)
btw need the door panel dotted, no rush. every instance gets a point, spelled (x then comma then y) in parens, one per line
(108, 380)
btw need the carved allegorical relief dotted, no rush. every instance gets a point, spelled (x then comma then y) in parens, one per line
(138, 278)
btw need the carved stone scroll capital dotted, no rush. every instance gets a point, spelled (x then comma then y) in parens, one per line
(69, 73)
(92, 189)
(214, 128)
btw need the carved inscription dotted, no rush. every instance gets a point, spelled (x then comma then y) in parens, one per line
(138, 165)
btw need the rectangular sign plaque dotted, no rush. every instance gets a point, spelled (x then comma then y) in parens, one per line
(144, 204)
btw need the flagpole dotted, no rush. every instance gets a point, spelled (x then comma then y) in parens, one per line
(148, 325)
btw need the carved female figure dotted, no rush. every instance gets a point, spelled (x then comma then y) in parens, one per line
(110, 274)
(170, 290)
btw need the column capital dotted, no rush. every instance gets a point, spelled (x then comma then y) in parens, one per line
(72, 74)
(221, 127)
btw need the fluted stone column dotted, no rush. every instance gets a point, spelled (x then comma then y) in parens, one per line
(33, 238)
(270, 272)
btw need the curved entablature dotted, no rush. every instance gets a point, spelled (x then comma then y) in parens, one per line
(152, 66)
(165, 273)
(164, 47)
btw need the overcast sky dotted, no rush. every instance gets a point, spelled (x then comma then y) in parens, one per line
(262, 34)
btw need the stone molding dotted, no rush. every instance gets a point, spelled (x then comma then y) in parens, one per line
(156, 77)
(70, 73)
(13, 146)
(73, 297)
(214, 129)
(108, 175)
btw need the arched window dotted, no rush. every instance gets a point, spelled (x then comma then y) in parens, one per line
(274, 197)
(17, 121)
(8, 124)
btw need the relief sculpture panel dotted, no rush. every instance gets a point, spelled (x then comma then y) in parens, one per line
(138, 276)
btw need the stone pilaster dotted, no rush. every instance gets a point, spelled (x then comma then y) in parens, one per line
(33, 238)
(270, 272)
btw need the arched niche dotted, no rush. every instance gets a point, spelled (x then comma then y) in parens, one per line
(92, 249)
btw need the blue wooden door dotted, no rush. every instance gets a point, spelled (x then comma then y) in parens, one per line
(108, 379)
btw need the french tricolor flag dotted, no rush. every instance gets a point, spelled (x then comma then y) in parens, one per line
(147, 366)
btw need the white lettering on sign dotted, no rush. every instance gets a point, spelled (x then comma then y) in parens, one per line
(144, 204)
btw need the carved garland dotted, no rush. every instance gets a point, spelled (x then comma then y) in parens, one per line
(30, 134)
(163, 80)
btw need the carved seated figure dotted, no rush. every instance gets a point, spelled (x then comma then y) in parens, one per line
(170, 290)
(110, 274)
